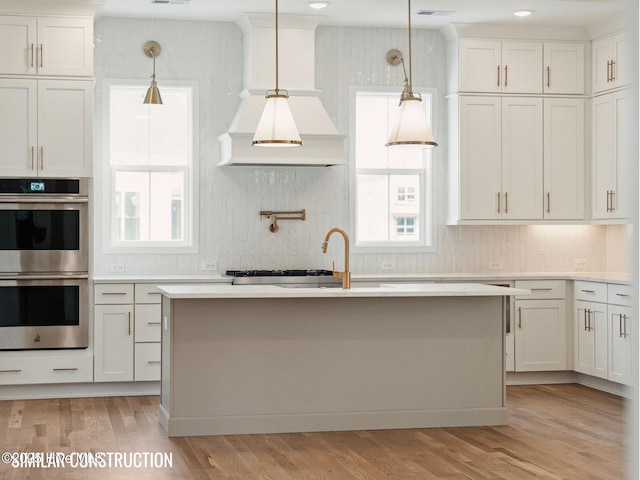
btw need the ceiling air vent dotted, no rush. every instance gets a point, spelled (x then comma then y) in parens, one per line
(170, 2)
(436, 13)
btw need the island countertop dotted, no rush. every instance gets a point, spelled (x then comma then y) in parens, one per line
(384, 290)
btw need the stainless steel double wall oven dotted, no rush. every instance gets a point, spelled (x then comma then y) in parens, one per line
(43, 263)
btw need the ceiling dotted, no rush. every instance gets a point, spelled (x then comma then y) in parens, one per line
(382, 13)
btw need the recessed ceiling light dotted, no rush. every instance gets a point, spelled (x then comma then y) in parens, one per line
(523, 13)
(319, 5)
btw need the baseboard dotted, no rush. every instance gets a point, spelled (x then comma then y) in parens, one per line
(548, 378)
(605, 385)
(77, 390)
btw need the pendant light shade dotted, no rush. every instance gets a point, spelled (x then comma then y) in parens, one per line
(411, 127)
(276, 127)
(152, 49)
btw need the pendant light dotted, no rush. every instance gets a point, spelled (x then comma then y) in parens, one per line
(152, 49)
(277, 127)
(411, 127)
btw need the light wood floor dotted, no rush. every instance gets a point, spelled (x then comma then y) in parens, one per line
(554, 432)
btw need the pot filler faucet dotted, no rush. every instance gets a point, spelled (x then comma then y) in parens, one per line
(346, 275)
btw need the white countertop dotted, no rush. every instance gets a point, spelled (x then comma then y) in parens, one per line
(273, 291)
(611, 277)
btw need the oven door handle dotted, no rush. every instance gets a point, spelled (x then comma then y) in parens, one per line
(42, 199)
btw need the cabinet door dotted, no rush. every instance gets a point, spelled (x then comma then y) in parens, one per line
(601, 54)
(521, 67)
(564, 68)
(540, 335)
(621, 71)
(65, 46)
(621, 200)
(18, 127)
(564, 159)
(18, 39)
(480, 158)
(600, 328)
(604, 164)
(65, 128)
(480, 66)
(619, 358)
(113, 338)
(521, 158)
(584, 343)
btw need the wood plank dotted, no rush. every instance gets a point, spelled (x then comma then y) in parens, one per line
(554, 432)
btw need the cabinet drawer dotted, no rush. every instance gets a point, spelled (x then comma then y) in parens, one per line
(147, 293)
(542, 289)
(147, 362)
(620, 294)
(113, 293)
(590, 291)
(46, 369)
(147, 323)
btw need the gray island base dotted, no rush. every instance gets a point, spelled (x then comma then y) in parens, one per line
(267, 359)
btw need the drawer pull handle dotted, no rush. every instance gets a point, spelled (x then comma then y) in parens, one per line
(588, 291)
(11, 371)
(154, 293)
(154, 323)
(622, 295)
(546, 289)
(71, 369)
(154, 362)
(114, 293)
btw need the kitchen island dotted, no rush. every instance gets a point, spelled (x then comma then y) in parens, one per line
(267, 359)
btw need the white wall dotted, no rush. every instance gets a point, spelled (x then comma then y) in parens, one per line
(231, 230)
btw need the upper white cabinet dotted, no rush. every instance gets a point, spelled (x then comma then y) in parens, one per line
(500, 66)
(46, 127)
(516, 158)
(611, 62)
(564, 159)
(521, 67)
(611, 137)
(54, 46)
(563, 68)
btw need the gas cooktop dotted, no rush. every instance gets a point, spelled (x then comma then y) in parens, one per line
(279, 273)
(285, 278)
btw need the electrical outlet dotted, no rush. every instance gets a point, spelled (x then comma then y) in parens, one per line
(495, 265)
(387, 264)
(117, 268)
(580, 263)
(209, 265)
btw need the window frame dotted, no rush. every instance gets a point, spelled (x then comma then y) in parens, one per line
(428, 229)
(191, 199)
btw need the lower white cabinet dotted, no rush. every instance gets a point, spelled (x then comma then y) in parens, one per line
(127, 333)
(540, 327)
(603, 325)
(22, 369)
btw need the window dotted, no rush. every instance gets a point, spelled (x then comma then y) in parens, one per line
(392, 203)
(150, 151)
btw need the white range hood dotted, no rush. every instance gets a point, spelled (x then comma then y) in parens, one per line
(322, 145)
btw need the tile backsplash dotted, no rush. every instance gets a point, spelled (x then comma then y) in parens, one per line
(230, 198)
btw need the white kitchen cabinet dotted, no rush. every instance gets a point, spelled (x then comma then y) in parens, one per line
(46, 127)
(563, 68)
(564, 159)
(611, 62)
(500, 158)
(127, 332)
(113, 333)
(541, 326)
(611, 150)
(603, 327)
(621, 327)
(496, 66)
(55, 46)
(20, 368)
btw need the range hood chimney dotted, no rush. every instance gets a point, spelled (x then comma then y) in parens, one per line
(321, 143)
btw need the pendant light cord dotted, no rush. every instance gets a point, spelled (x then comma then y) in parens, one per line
(410, 71)
(277, 89)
